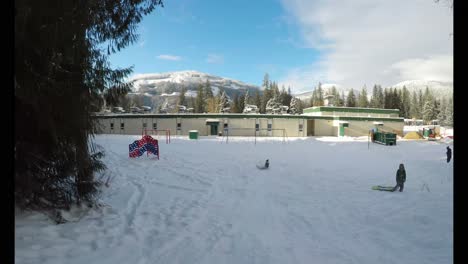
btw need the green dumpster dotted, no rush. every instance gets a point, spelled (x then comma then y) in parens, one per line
(385, 138)
(193, 134)
(427, 132)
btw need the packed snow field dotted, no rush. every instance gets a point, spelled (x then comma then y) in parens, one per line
(205, 201)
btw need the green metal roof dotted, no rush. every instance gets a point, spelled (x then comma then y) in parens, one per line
(350, 109)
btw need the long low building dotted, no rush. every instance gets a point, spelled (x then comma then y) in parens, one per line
(316, 121)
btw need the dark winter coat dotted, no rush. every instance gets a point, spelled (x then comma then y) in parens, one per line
(401, 176)
(449, 153)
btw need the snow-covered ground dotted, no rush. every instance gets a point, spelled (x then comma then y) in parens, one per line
(206, 202)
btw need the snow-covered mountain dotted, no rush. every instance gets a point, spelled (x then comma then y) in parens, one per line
(172, 82)
(304, 96)
(439, 89)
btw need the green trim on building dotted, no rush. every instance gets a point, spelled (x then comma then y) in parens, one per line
(357, 118)
(350, 109)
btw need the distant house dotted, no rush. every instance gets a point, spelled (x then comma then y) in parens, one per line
(282, 109)
(118, 109)
(328, 100)
(226, 110)
(182, 109)
(146, 108)
(135, 109)
(248, 109)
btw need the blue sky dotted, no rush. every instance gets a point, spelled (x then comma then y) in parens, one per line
(298, 42)
(237, 39)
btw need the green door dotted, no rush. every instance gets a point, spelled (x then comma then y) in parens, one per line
(341, 130)
(214, 129)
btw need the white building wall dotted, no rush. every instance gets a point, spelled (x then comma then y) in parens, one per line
(238, 126)
(291, 127)
(325, 128)
(134, 126)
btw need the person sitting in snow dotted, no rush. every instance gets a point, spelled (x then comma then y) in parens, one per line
(267, 164)
(400, 177)
(449, 154)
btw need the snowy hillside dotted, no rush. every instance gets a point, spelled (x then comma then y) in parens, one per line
(174, 81)
(439, 89)
(305, 96)
(206, 202)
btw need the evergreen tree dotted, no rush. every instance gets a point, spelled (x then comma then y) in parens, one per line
(428, 111)
(421, 102)
(235, 104)
(319, 95)
(442, 110)
(381, 97)
(342, 99)
(266, 81)
(313, 99)
(351, 101)
(240, 104)
(267, 92)
(285, 97)
(363, 98)
(387, 99)
(427, 95)
(449, 113)
(275, 90)
(200, 101)
(273, 104)
(223, 102)
(212, 104)
(192, 103)
(415, 111)
(336, 96)
(246, 98)
(208, 90)
(62, 76)
(209, 98)
(436, 103)
(396, 99)
(374, 102)
(405, 103)
(258, 99)
(182, 100)
(294, 107)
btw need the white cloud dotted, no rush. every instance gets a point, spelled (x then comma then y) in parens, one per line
(372, 41)
(169, 57)
(215, 59)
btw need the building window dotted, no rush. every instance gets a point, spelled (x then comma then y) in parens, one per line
(155, 126)
(301, 127)
(257, 127)
(122, 125)
(225, 126)
(178, 126)
(112, 126)
(269, 127)
(144, 125)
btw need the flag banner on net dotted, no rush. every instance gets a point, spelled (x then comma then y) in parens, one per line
(146, 144)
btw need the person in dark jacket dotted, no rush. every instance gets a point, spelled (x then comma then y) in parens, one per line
(400, 178)
(267, 164)
(449, 154)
